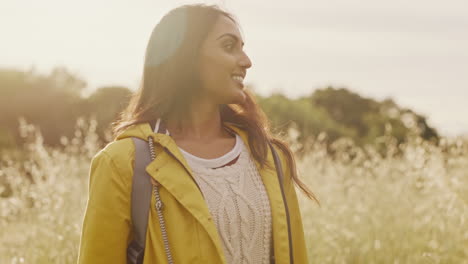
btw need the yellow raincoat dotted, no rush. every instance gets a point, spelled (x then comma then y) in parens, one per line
(192, 233)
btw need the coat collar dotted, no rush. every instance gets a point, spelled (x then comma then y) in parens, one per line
(172, 171)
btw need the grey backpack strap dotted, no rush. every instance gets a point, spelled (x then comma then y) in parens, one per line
(279, 172)
(140, 201)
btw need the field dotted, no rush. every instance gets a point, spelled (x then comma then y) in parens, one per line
(407, 206)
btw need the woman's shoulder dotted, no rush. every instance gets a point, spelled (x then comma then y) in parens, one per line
(119, 152)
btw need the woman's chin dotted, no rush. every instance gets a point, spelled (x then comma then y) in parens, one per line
(235, 96)
(239, 97)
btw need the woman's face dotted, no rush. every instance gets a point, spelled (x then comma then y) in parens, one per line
(223, 63)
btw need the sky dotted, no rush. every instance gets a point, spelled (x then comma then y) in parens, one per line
(415, 52)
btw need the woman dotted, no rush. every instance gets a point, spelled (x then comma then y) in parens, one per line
(213, 169)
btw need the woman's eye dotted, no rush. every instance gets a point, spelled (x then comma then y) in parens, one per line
(229, 46)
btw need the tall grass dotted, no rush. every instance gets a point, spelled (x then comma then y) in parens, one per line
(407, 206)
(42, 197)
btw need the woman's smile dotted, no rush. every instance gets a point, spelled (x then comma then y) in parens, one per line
(238, 80)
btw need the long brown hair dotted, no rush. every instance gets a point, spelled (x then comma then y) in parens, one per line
(171, 81)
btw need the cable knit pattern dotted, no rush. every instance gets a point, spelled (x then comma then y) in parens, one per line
(240, 207)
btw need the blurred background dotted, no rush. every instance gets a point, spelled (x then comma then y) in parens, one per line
(370, 94)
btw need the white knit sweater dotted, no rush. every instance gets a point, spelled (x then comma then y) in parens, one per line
(238, 203)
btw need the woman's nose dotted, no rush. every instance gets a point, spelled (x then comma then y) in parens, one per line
(245, 61)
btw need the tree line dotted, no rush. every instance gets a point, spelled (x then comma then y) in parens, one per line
(53, 102)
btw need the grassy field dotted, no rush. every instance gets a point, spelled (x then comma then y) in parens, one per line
(407, 207)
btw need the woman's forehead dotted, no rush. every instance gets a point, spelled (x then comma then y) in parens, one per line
(224, 27)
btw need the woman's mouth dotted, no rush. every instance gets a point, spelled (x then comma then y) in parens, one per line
(238, 79)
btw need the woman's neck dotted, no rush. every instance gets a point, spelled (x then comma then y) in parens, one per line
(203, 123)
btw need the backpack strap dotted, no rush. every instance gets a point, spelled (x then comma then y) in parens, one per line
(140, 201)
(279, 172)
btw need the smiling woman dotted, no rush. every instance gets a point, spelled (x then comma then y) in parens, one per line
(223, 63)
(223, 185)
